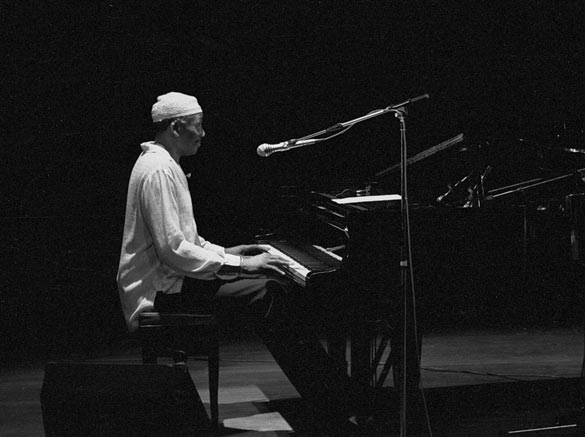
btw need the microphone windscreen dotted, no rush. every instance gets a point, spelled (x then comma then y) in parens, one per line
(261, 150)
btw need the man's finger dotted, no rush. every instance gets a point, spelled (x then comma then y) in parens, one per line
(279, 260)
(276, 269)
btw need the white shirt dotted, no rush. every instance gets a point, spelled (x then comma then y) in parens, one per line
(161, 244)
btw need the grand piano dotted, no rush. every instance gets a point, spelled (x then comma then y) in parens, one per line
(495, 244)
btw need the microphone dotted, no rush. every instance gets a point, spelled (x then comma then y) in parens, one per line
(265, 150)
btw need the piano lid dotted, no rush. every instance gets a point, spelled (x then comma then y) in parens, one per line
(424, 154)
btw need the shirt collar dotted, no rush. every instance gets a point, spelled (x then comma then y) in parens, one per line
(153, 146)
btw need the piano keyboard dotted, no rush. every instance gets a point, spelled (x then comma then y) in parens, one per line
(306, 260)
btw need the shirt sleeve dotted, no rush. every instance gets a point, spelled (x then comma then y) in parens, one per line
(161, 212)
(210, 246)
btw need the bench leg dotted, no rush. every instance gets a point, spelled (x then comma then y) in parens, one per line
(213, 366)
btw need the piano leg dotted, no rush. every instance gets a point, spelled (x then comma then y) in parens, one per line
(361, 337)
(361, 362)
(337, 348)
(370, 343)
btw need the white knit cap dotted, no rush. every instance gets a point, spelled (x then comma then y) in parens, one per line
(174, 104)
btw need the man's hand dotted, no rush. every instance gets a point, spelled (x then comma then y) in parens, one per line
(248, 249)
(263, 262)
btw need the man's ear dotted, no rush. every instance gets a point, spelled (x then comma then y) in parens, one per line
(175, 127)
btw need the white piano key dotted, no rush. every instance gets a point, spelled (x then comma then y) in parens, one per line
(298, 271)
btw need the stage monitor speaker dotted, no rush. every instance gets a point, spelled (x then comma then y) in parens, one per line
(87, 399)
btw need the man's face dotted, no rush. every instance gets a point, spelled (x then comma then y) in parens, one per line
(191, 134)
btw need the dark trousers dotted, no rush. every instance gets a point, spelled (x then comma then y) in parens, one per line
(282, 317)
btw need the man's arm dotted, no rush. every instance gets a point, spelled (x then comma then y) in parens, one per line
(161, 212)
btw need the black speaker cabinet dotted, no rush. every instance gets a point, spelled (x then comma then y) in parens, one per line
(86, 399)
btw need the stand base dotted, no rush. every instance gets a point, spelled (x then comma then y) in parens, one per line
(560, 430)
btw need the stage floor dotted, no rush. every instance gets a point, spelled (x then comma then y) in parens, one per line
(476, 383)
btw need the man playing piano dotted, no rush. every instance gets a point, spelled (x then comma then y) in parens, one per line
(165, 265)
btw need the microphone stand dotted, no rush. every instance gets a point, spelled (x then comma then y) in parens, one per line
(410, 365)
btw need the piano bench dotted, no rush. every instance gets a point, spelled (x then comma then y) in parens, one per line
(177, 336)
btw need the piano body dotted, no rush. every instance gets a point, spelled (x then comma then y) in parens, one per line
(480, 256)
(347, 255)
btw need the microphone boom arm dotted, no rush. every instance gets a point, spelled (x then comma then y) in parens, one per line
(338, 128)
(372, 114)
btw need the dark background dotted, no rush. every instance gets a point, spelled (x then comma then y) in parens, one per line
(78, 80)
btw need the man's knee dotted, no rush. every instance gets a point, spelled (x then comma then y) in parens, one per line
(271, 307)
